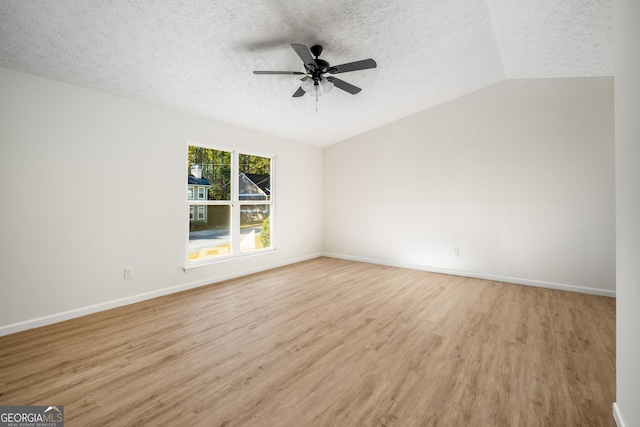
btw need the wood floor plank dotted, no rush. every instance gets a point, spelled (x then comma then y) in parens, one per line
(327, 342)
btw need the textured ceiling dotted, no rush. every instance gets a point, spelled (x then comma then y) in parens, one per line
(198, 56)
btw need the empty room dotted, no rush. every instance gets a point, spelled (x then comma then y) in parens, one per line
(271, 213)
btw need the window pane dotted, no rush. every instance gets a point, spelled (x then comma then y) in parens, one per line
(209, 233)
(255, 227)
(210, 171)
(255, 177)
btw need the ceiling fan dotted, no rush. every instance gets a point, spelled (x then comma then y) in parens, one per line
(314, 79)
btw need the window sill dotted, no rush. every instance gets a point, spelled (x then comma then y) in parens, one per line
(192, 265)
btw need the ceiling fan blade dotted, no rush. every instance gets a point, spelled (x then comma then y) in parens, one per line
(353, 66)
(341, 84)
(294, 73)
(299, 93)
(304, 54)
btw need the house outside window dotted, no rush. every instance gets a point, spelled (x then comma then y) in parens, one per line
(234, 204)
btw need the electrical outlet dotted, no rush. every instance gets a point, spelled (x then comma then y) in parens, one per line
(455, 252)
(128, 272)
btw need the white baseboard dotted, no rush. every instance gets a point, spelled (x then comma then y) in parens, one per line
(617, 415)
(493, 277)
(83, 311)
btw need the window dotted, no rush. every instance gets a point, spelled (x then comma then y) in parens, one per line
(232, 213)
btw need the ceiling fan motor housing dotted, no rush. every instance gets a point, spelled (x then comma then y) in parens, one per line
(323, 66)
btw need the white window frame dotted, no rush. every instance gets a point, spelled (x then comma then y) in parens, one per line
(202, 193)
(236, 205)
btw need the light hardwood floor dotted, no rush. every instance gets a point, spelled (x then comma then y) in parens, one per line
(327, 343)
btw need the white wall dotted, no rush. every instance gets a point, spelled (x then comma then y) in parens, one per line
(627, 95)
(91, 183)
(518, 176)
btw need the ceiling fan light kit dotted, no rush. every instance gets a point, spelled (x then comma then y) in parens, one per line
(321, 86)
(314, 80)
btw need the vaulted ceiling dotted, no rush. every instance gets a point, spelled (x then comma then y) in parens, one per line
(198, 56)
